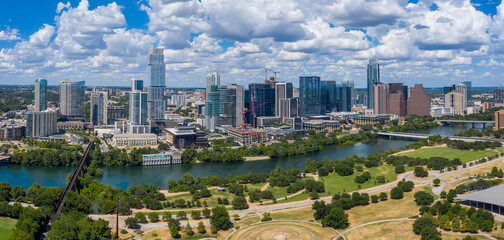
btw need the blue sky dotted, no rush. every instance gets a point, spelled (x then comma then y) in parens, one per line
(434, 42)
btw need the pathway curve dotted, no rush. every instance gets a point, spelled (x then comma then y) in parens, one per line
(342, 234)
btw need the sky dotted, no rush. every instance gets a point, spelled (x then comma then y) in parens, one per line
(106, 43)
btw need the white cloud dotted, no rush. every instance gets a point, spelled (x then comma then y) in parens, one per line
(9, 34)
(364, 13)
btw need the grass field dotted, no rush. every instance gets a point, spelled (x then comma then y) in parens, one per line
(450, 153)
(395, 231)
(295, 214)
(335, 183)
(267, 230)
(6, 226)
(164, 234)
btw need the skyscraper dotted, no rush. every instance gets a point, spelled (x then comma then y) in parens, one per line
(380, 98)
(309, 95)
(231, 99)
(468, 85)
(99, 104)
(373, 76)
(138, 104)
(282, 90)
(418, 102)
(260, 96)
(40, 94)
(455, 100)
(462, 89)
(397, 99)
(448, 88)
(155, 98)
(328, 96)
(213, 106)
(72, 100)
(41, 124)
(345, 95)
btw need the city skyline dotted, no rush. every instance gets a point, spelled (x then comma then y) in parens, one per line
(291, 38)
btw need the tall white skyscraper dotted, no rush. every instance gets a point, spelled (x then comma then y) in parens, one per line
(72, 99)
(213, 106)
(40, 94)
(155, 98)
(99, 104)
(373, 76)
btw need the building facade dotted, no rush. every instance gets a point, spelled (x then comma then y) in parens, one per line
(498, 97)
(325, 126)
(41, 124)
(213, 106)
(261, 98)
(499, 120)
(455, 100)
(148, 139)
(72, 100)
(231, 100)
(282, 91)
(397, 99)
(418, 101)
(161, 159)
(13, 132)
(138, 106)
(40, 95)
(373, 76)
(380, 94)
(99, 105)
(310, 97)
(156, 103)
(115, 113)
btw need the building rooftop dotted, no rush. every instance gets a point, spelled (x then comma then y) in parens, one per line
(493, 195)
(177, 131)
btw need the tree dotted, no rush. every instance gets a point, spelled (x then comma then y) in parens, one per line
(201, 228)
(220, 218)
(206, 212)
(396, 193)
(436, 182)
(320, 209)
(430, 233)
(195, 214)
(153, 216)
(336, 218)
(314, 195)
(420, 172)
(188, 230)
(131, 222)
(400, 169)
(140, 217)
(240, 203)
(181, 214)
(374, 198)
(174, 232)
(383, 196)
(421, 223)
(423, 198)
(455, 224)
(167, 216)
(444, 223)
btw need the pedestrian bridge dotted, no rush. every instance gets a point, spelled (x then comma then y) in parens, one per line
(473, 122)
(424, 136)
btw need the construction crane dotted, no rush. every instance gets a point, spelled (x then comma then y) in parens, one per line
(266, 74)
(253, 114)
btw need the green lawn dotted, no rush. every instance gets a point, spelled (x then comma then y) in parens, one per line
(212, 201)
(335, 183)
(450, 153)
(6, 226)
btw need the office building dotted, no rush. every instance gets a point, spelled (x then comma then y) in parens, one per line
(363, 119)
(396, 99)
(361, 99)
(288, 108)
(373, 76)
(261, 98)
(115, 113)
(231, 100)
(99, 105)
(41, 124)
(178, 101)
(380, 94)
(455, 100)
(328, 96)
(184, 137)
(147, 139)
(325, 126)
(462, 88)
(486, 106)
(74, 125)
(418, 102)
(499, 120)
(345, 95)
(72, 100)
(138, 104)
(498, 98)
(12, 132)
(156, 104)
(268, 121)
(282, 91)
(247, 137)
(310, 99)
(161, 159)
(448, 88)
(468, 85)
(213, 106)
(40, 95)
(441, 111)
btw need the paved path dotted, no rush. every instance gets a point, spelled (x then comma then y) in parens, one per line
(342, 234)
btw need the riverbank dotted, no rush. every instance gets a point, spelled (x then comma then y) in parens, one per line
(258, 158)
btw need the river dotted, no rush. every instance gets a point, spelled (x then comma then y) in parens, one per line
(123, 177)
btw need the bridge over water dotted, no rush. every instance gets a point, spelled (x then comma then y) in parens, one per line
(473, 122)
(424, 136)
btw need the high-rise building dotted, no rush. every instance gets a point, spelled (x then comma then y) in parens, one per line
(373, 76)
(99, 104)
(72, 100)
(380, 98)
(499, 120)
(455, 100)
(116, 113)
(328, 96)
(231, 99)
(282, 90)
(261, 97)
(345, 95)
(156, 103)
(288, 108)
(40, 94)
(462, 89)
(448, 88)
(178, 100)
(486, 106)
(418, 102)
(498, 97)
(468, 85)
(138, 104)
(310, 99)
(213, 107)
(41, 124)
(396, 99)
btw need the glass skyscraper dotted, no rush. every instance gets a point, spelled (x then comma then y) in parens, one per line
(40, 94)
(257, 94)
(155, 98)
(138, 104)
(72, 100)
(310, 97)
(373, 76)
(213, 107)
(469, 89)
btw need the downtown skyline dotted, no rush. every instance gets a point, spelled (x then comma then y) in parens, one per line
(109, 45)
